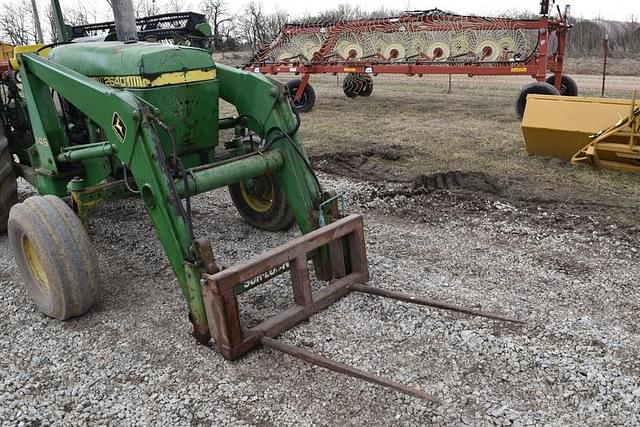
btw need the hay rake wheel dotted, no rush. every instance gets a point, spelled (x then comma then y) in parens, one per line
(367, 88)
(355, 85)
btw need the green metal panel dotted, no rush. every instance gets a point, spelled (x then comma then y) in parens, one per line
(191, 111)
(130, 59)
(271, 117)
(265, 118)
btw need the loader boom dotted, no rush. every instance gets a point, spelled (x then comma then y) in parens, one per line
(139, 150)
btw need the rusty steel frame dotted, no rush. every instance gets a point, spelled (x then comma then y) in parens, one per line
(537, 64)
(346, 243)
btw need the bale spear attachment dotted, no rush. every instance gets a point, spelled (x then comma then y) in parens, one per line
(345, 239)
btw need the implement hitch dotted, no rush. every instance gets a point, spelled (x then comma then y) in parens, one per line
(345, 239)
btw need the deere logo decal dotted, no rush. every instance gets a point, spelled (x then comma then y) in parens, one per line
(119, 127)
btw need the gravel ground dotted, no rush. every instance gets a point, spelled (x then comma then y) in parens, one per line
(569, 271)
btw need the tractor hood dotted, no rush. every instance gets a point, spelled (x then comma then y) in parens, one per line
(136, 65)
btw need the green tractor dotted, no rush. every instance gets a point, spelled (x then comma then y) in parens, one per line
(97, 121)
(88, 122)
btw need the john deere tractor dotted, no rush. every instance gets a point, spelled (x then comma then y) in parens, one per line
(87, 122)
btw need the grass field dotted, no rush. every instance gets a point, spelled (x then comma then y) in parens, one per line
(412, 126)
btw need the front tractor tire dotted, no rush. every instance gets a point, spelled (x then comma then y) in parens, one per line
(540, 88)
(308, 99)
(8, 183)
(262, 203)
(54, 256)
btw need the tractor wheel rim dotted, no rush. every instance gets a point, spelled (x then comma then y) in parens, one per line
(260, 195)
(34, 263)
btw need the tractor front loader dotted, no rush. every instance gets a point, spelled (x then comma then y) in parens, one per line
(142, 118)
(100, 121)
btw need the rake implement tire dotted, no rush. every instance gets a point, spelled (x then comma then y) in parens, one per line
(54, 256)
(367, 87)
(568, 86)
(540, 88)
(351, 85)
(8, 183)
(262, 203)
(308, 99)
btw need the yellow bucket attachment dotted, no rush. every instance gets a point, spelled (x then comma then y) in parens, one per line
(39, 48)
(602, 132)
(6, 50)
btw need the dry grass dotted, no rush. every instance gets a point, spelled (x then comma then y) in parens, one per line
(474, 128)
(593, 65)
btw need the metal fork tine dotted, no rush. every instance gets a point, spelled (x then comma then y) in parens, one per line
(429, 302)
(324, 362)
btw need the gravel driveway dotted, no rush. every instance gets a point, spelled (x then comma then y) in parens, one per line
(571, 272)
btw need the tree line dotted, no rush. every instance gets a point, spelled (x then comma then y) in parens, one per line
(253, 27)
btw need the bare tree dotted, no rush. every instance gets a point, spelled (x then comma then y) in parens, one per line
(258, 28)
(146, 8)
(274, 24)
(350, 12)
(252, 25)
(341, 12)
(53, 30)
(175, 6)
(17, 23)
(81, 15)
(217, 15)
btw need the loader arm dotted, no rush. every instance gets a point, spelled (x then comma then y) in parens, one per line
(264, 104)
(136, 147)
(277, 125)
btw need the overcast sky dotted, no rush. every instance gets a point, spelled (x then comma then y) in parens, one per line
(621, 10)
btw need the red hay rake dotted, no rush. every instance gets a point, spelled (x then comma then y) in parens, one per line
(419, 43)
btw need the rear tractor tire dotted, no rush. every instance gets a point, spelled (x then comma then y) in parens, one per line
(262, 203)
(55, 257)
(540, 88)
(308, 98)
(568, 86)
(8, 183)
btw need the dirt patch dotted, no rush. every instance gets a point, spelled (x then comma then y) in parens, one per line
(476, 181)
(357, 164)
(461, 196)
(368, 164)
(469, 182)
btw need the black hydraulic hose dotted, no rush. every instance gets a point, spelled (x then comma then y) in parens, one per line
(284, 135)
(186, 214)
